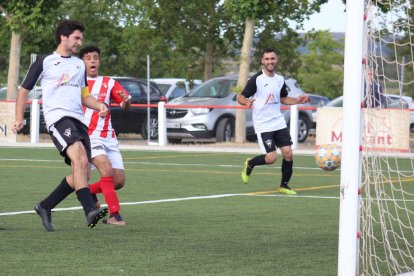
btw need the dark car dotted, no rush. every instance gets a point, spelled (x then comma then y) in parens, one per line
(133, 120)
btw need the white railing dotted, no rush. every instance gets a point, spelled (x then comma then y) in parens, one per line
(162, 123)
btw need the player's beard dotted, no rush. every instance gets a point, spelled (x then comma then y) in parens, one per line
(72, 50)
(270, 68)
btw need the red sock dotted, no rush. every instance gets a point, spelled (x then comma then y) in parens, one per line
(108, 191)
(95, 188)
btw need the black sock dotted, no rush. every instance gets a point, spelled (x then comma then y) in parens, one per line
(257, 161)
(286, 172)
(85, 198)
(59, 194)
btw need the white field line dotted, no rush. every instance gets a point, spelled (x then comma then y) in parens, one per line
(154, 163)
(171, 200)
(194, 198)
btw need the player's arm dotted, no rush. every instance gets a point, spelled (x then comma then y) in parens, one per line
(92, 103)
(244, 97)
(29, 82)
(126, 102)
(120, 96)
(299, 100)
(20, 106)
(285, 99)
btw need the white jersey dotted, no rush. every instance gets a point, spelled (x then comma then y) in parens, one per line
(104, 90)
(62, 79)
(267, 92)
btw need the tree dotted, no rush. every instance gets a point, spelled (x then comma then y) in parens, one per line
(23, 17)
(197, 34)
(262, 13)
(322, 67)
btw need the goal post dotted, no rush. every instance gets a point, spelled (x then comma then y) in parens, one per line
(351, 138)
(376, 218)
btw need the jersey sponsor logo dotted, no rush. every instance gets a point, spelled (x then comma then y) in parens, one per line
(68, 132)
(271, 99)
(57, 63)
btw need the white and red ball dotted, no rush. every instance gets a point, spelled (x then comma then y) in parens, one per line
(328, 157)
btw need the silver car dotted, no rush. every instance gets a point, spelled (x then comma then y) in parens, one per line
(204, 121)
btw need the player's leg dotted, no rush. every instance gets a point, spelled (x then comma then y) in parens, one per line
(269, 155)
(119, 178)
(284, 142)
(43, 208)
(79, 154)
(103, 158)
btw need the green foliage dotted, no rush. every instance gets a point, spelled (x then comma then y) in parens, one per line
(275, 13)
(28, 16)
(286, 47)
(322, 67)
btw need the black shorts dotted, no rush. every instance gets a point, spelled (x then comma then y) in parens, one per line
(67, 131)
(268, 141)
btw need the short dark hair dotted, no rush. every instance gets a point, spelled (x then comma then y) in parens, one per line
(268, 50)
(67, 27)
(89, 49)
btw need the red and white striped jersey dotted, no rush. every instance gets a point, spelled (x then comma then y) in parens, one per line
(105, 90)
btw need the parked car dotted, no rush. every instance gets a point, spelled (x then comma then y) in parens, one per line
(317, 101)
(36, 93)
(3, 93)
(172, 88)
(133, 120)
(393, 101)
(219, 123)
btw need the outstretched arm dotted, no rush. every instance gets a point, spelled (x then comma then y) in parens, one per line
(299, 100)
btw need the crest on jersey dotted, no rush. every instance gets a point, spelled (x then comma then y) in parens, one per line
(68, 132)
(269, 143)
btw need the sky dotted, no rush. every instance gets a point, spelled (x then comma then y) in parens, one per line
(331, 17)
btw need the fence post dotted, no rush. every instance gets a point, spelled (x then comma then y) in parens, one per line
(34, 121)
(162, 124)
(294, 115)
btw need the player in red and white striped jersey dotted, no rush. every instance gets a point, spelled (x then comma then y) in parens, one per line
(105, 152)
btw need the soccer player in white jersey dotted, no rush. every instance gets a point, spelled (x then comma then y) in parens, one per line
(264, 92)
(105, 152)
(63, 80)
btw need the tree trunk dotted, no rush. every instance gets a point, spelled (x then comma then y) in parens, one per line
(208, 61)
(243, 75)
(14, 65)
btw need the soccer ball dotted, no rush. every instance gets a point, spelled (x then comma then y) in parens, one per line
(328, 157)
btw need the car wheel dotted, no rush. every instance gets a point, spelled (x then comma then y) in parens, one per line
(303, 128)
(251, 138)
(224, 130)
(174, 141)
(153, 128)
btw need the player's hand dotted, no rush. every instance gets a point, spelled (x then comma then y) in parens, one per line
(303, 99)
(124, 96)
(103, 110)
(249, 102)
(18, 125)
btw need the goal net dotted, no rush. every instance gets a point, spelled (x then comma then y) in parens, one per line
(386, 244)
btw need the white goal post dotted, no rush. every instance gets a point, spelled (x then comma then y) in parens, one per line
(376, 224)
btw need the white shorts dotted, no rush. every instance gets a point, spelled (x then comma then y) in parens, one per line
(108, 147)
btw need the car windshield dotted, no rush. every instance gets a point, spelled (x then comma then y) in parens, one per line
(164, 87)
(215, 88)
